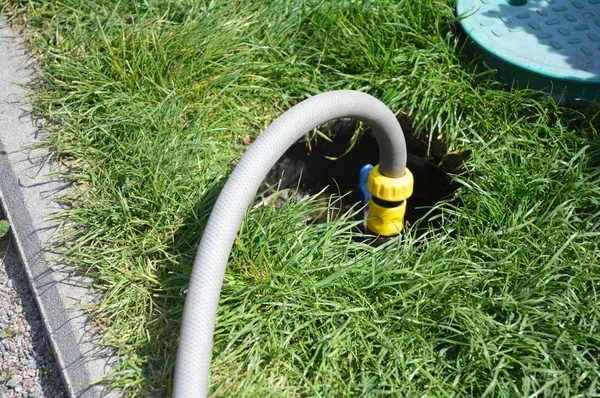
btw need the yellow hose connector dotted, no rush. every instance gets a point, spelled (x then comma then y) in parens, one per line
(388, 201)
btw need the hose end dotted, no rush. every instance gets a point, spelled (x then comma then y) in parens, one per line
(388, 201)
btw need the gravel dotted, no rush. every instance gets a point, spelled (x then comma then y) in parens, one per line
(27, 365)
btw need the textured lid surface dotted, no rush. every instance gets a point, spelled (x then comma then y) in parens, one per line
(556, 38)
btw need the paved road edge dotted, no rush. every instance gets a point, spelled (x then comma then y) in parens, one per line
(26, 194)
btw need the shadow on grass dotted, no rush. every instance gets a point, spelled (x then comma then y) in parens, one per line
(158, 373)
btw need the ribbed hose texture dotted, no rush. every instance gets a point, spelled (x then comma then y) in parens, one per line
(195, 341)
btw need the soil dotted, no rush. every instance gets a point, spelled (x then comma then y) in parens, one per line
(328, 164)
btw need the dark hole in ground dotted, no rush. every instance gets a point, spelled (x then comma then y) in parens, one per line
(328, 162)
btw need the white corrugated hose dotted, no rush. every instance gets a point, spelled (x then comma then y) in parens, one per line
(195, 341)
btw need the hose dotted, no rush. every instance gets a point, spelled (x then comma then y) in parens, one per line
(199, 315)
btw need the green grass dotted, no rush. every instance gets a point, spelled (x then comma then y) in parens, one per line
(4, 227)
(149, 103)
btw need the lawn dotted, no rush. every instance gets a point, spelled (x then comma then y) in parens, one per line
(151, 103)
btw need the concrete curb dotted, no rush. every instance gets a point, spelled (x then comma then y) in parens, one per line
(26, 195)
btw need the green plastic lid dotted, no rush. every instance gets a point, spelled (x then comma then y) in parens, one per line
(553, 44)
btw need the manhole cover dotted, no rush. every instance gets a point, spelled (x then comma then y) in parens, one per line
(552, 45)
